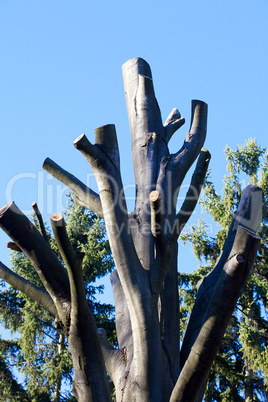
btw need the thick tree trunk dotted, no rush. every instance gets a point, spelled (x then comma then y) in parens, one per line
(146, 367)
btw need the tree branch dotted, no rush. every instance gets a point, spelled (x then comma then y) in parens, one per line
(251, 200)
(249, 212)
(13, 246)
(40, 220)
(104, 151)
(134, 279)
(29, 289)
(221, 305)
(90, 382)
(115, 359)
(194, 140)
(33, 244)
(104, 160)
(73, 262)
(83, 195)
(145, 116)
(173, 123)
(156, 215)
(122, 317)
(8, 382)
(148, 136)
(192, 195)
(173, 168)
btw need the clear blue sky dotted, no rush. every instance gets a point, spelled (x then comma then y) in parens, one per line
(60, 76)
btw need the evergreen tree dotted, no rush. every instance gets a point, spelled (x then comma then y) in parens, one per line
(240, 370)
(40, 351)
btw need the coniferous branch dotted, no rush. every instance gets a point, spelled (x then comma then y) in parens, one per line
(9, 385)
(120, 361)
(58, 382)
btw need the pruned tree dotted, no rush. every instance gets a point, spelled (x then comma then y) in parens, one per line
(146, 366)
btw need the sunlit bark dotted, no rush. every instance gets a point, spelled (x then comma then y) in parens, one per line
(147, 365)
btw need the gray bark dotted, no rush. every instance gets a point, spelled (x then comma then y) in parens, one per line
(146, 367)
(218, 313)
(90, 383)
(34, 292)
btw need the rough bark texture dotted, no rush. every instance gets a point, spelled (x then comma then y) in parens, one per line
(146, 367)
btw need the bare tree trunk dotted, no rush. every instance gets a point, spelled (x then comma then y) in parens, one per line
(147, 366)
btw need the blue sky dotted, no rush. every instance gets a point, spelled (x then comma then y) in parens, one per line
(60, 64)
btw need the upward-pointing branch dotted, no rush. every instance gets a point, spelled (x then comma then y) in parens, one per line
(72, 261)
(192, 195)
(249, 213)
(173, 168)
(218, 293)
(173, 123)
(104, 160)
(156, 215)
(217, 316)
(90, 381)
(122, 318)
(194, 140)
(40, 220)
